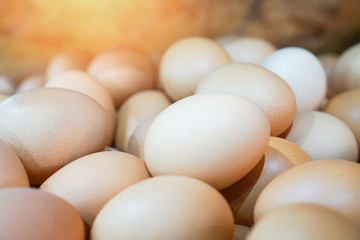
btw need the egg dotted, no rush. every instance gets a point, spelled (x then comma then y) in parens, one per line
(331, 183)
(246, 49)
(134, 110)
(292, 151)
(201, 136)
(123, 71)
(303, 71)
(66, 61)
(82, 82)
(7, 87)
(243, 194)
(32, 214)
(240, 232)
(346, 106)
(50, 127)
(3, 97)
(323, 136)
(345, 74)
(165, 207)
(31, 82)
(258, 84)
(12, 171)
(89, 182)
(186, 61)
(303, 221)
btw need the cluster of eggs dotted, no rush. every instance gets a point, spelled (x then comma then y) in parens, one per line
(222, 139)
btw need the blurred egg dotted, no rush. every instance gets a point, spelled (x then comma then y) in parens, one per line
(134, 110)
(240, 232)
(258, 84)
(303, 221)
(292, 151)
(123, 72)
(166, 207)
(323, 136)
(345, 74)
(303, 71)
(243, 194)
(332, 183)
(50, 127)
(137, 140)
(186, 61)
(82, 82)
(7, 87)
(346, 106)
(201, 136)
(247, 49)
(31, 82)
(33, 215)
(66, 61)
(88, 183)
(12, 171)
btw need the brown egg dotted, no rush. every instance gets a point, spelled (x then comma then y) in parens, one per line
(33, 214)
(50, 127)
(332, 182)
(66, 61)
(243, 194)
(134, 110)
(82, 82)
(123, 72)
(88, 183)
(303, 221)
(346, 106)
(12, 171)
(258, 84)
(240, 232)
(137, 140)
(345, 74)
(188, 60)
(31, 82)
(166, 207)
(292, 151)
(201, 136)
(323, 136)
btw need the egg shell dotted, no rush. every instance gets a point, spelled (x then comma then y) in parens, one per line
(240, 232)
(31, 82)
(243, 194)
(12, 171)
(247, 49)
(323, 136)
(332, 183)
(346, 106)
(345, 74)
(258, 84)
(82, 82)
(303, 71)
(33, 214)
(165, 207)
(136, 108)
(89, 182)
(123, 71)
(186, 61)
(292, 151)
(50, 127)
(303, 221)
(217, 138)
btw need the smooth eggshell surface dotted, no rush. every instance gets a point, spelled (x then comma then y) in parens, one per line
(186, 61)
(31, 82)
(332, 183)
(323, 136)
(201, 136)
(258, 84)
(165, 207)
(303, 221)
(50, 127)
(88, 183)
(12, 171)
(32, 214)
(303, 71)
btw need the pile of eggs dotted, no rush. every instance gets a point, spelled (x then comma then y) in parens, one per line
(222, 139)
